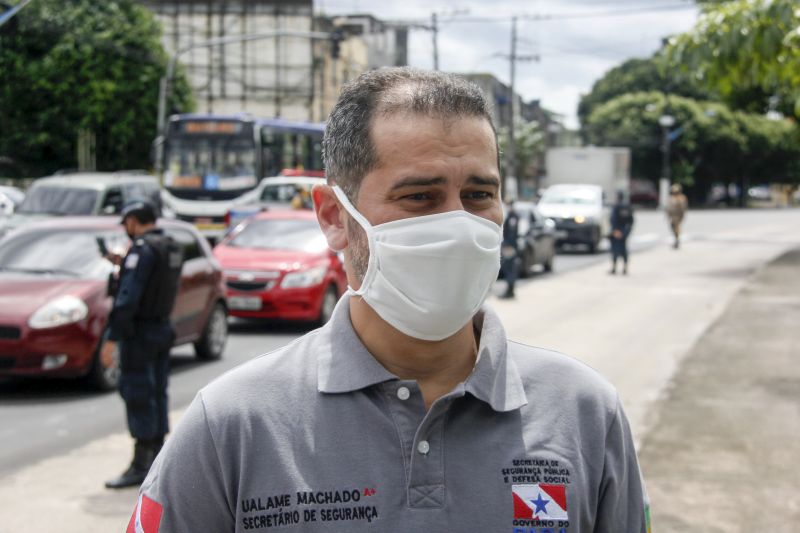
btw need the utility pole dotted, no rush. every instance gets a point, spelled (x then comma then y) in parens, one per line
(435, 35)
(510, 182)
(511, 150)
(434, 29)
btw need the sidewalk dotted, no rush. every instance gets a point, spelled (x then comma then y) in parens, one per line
(724, 456)
(636, 330)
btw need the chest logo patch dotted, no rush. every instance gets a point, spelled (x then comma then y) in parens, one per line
(539, 495)
(538, 501)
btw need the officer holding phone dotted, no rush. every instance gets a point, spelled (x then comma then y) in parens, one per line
(139, 322)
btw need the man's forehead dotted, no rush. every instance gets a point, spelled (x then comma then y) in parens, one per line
(411, 117)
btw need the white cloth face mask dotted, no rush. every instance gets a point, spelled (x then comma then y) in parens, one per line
(427, 276)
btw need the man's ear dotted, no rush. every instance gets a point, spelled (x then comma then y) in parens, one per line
(331, 216)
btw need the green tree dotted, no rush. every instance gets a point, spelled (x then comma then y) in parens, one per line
(747, 51)
(81, 65)
(713, 144)
(529, 141)
(638, 75)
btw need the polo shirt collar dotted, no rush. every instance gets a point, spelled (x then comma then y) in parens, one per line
(345, 365)
(495, 378)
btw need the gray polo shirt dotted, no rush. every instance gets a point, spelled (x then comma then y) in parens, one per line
(318, 436)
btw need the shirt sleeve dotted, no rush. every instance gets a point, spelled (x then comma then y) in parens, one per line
(139, 264)
(623, 503)
(187, 481)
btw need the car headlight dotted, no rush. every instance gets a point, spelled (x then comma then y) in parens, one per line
(304, 278)
(59, 312)
(580, 219)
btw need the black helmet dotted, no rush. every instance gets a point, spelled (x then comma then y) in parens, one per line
(143, 210)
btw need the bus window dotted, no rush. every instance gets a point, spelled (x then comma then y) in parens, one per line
(289, 149)
(271, 152)
(315, 155)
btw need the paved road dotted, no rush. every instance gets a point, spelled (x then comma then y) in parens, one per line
(45, 419)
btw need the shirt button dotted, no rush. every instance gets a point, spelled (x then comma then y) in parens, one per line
(423, 447)
(403, 393)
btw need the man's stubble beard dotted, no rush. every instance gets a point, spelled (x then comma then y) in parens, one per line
(358, 246)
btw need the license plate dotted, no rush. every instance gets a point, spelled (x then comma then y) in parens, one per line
(245, 303)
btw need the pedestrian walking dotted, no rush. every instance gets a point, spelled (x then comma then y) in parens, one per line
(677, 205)
(139, 322)
(409, 410)
(621, 226)
(510, 262)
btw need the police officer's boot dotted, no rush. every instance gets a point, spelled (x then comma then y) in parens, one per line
(134, 476)
(157, 443)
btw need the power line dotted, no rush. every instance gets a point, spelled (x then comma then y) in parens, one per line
(557, 16)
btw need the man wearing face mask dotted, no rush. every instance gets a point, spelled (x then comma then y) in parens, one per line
(409, 410)
(139, 322)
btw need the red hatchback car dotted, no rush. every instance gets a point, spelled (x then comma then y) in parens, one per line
(54, 301)
(277, 264)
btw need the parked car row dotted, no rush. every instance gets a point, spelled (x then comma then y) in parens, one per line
(80, 194)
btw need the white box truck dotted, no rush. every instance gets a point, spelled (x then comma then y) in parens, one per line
(608, 167)
(581, 184)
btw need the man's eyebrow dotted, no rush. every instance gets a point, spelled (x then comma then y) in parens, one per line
(417, 181)
(479, 180)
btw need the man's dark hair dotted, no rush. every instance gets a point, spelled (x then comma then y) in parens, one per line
(348, 149)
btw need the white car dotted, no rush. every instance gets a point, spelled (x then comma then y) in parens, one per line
(10, 198)
(81, 193)
(279, 192)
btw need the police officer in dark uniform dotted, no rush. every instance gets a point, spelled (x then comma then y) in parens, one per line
(621, 226)
(510, 249)
(139, 322)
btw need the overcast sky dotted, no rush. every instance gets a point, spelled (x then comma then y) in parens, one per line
(573, 52)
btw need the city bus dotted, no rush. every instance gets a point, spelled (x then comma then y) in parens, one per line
(210, 161)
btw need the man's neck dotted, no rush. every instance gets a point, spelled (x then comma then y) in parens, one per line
(144, 229)
(437, 366)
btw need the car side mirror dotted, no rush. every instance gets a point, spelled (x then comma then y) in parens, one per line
(110, 210)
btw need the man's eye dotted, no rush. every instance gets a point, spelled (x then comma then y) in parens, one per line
(417, 197)
(480, 195)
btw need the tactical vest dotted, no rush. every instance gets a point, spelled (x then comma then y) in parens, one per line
(159, 294)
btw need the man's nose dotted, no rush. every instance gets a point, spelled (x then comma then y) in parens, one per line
(453, 202)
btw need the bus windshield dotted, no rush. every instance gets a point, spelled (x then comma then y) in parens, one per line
(221, 163)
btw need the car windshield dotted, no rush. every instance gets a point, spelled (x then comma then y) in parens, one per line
(571, 197)
(276, 234)
(283, 193)
(70, 252)
(59, 201)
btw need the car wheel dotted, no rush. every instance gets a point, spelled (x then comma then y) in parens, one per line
(215, 334)
(104, 377)
(329, 301)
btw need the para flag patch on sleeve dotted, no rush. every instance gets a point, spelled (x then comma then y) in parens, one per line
(146, 516)
(131, 261)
